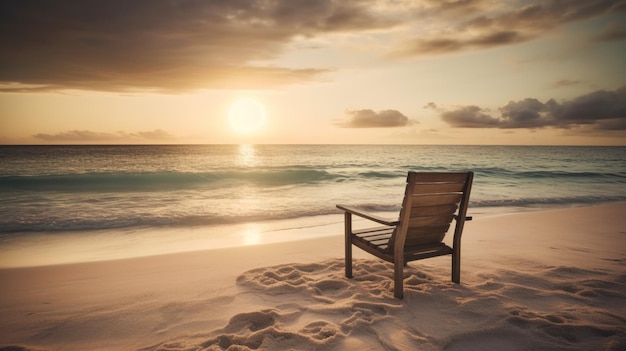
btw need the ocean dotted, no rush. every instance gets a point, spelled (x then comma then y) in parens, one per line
(80, 188)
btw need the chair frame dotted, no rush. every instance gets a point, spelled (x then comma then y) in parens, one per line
(389, 241)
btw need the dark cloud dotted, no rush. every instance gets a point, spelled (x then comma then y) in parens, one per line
(88, 136)
(599, 106)
(163, 45)
(443, 45)
(180, 45)
(482, 24)
(527, 113)
(469, 117)
(599, 110)
(369, 119)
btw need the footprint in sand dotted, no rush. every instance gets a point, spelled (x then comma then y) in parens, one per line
(252, 321)
(320, 330)
(331, 286)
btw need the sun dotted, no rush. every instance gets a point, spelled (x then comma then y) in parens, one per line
(246, 115)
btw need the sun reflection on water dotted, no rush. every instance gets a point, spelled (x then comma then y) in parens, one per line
(247, 155)
(251, 236)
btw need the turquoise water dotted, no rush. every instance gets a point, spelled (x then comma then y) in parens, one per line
(71, 188)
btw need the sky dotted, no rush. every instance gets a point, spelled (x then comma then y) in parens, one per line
(527, 72)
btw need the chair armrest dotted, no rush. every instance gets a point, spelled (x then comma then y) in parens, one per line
(366, 215)
(467, 218)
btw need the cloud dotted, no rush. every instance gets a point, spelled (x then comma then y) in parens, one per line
(444, 45)
(180, 45)
(469, 117)
(484, 24)
(100, 137)
(600, 110)
(369, 119)
(162, 45)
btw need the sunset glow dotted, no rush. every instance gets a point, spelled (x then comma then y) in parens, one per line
(246, 115)
(257, 174)
(351, 72)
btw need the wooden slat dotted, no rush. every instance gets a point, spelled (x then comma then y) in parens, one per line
(375, 237)
(378, 244)
(423, 240)
(427, 247)
(423, 231)
(433, 210)
(373, 243)
(430, 221)
(426, 251)
(383, 253)
(435, 200)
(375, 230)
(381, 243)
(436, 177)
(431, 238)
(437, 188)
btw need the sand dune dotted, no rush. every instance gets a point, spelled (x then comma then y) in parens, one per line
(556, 280)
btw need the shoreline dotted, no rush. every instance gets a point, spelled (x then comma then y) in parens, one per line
(74, 247)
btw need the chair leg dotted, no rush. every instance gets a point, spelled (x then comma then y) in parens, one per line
(398, 279)
(348, 243)
(349, 260)
(456, 266)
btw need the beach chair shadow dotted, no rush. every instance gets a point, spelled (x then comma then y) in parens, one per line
(431, 202)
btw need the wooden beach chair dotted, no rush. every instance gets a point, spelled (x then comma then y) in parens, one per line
(431, 202)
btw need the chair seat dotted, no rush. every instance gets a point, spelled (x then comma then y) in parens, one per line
(378, 239)
(412, 253)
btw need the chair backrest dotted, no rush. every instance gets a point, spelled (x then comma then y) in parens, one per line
(431, 201)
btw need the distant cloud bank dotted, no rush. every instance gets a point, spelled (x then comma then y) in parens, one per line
(174, 46)
(86, 136)
(600, 110)
(370, 119)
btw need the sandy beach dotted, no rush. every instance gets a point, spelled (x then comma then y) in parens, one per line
(545, 280)
(171, 170)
